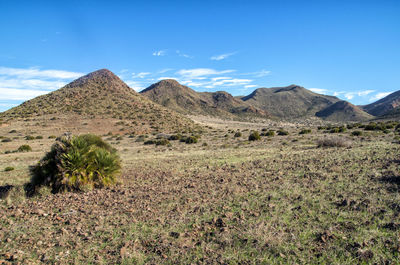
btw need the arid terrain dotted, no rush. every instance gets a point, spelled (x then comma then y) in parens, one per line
(222, 200)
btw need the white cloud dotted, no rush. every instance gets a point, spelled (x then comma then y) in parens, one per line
(160, 53)
(199, 73)
(26, 83)
(319, 90)
(349, 96)
(31, 83)
(365, 92)
(20, 94)
(165, 70)
(380, 96)
(221, 56)
(250, 86)
(166, 77)
(260, 73)
(137, 86)
(232, 82)
(37, 73)
(140, 75)
(184, 55)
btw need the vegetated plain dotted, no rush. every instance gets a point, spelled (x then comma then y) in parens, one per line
(329, 195)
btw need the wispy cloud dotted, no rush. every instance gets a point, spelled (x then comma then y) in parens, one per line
(137, 86)
(20, 94)
(250, 86)
(319, 90)
(141, 74)
(222, 56)
(162, 71)
(349, 96)
(352, 95)
(380, 95)
(37, 73)
(199, 73)
(184, 54)
(26, 83)
(160, 53)
(258, 74)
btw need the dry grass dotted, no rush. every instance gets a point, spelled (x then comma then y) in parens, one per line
(280, 200)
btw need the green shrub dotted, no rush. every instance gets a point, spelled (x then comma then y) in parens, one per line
(77, 162)
(12, 131)
(175, 137)
(29, 137)
(24, 148)
(356, 133)
(238, 134)
(39, 137)
(52, 137)
(149, 142)
(254, 136)
(6, 140)
(270, 133)
(9, 169)
(335, 130)
(283, 132)
(305, 131)
(191, 140)
(162, 141)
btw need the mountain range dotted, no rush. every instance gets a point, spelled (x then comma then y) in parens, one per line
(166, 103)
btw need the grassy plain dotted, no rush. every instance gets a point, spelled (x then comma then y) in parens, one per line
(223, 200)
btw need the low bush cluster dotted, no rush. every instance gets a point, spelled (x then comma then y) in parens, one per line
(282, 132)
(333, 142)
(269, 133)
(305, 131)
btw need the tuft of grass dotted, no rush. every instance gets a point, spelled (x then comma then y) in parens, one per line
(9, 169)
(238, 134)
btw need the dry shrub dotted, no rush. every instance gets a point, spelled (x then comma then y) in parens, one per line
(334, 142)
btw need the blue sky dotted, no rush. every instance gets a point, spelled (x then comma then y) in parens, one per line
(346, 48)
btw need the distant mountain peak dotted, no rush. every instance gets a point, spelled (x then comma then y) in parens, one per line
(102, 94)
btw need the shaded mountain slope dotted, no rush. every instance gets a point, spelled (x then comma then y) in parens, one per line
(342, 111)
